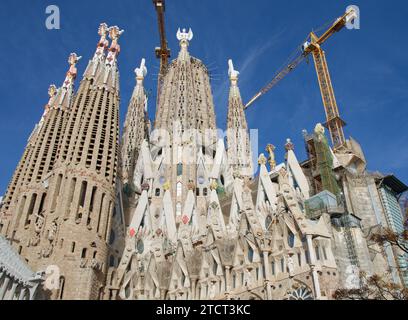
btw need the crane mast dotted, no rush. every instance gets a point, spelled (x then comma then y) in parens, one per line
(334, 123)
(162, 52)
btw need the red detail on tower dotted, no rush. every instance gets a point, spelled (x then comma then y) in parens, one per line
(185, 219)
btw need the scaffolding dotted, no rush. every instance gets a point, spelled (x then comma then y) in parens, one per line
(325, 164)
(347, 222)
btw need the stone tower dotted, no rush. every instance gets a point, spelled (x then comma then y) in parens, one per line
(239, 149)
(185, 123)
(65, 198)
(88, 168)
(24, 211)
(135, 128)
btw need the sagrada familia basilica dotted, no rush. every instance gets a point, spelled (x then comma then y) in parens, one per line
(175, 210)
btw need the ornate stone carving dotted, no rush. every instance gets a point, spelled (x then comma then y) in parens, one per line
(270, 148)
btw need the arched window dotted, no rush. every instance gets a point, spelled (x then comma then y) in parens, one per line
(30, 209)
(111, 261)
(82, 193)
(324, 253)
(291, 239)
(91, 204)
(112, 237)
(268, 221)
(317, 253)
(41, 207)
(250, 254)
(61, 288)
(307, 256)
(179, 169)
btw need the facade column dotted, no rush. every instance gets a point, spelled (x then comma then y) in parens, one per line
(193, 288)
(22, 293)
(267, 275)
(312, 256)
(4, 287)
(12, 290)
(32, 291)
(228, 279)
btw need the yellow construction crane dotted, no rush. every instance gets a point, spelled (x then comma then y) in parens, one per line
(313, 46)
(162, 52)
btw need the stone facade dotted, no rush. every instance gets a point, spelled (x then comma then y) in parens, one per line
(174, 213)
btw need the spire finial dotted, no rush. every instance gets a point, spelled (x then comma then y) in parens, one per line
(141, 71)
(52, 91)
(103, 42)
(319, 129)
(289, 145)
(103, 31)
(184, 36)
(73, 59)
(232, 73)
(72, 72)
(114, 50)
(270, 148)
(115, 33)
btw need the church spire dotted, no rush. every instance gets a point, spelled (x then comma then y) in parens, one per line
(62, 97)
(99, 56)
(66, 92)
(136, 125)
(111, 72)
(239, 148)
(114, 49)
(103, 42)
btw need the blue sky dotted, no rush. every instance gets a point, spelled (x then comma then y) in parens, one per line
(368, 66)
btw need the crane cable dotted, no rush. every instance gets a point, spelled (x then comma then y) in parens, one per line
(293, 60)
